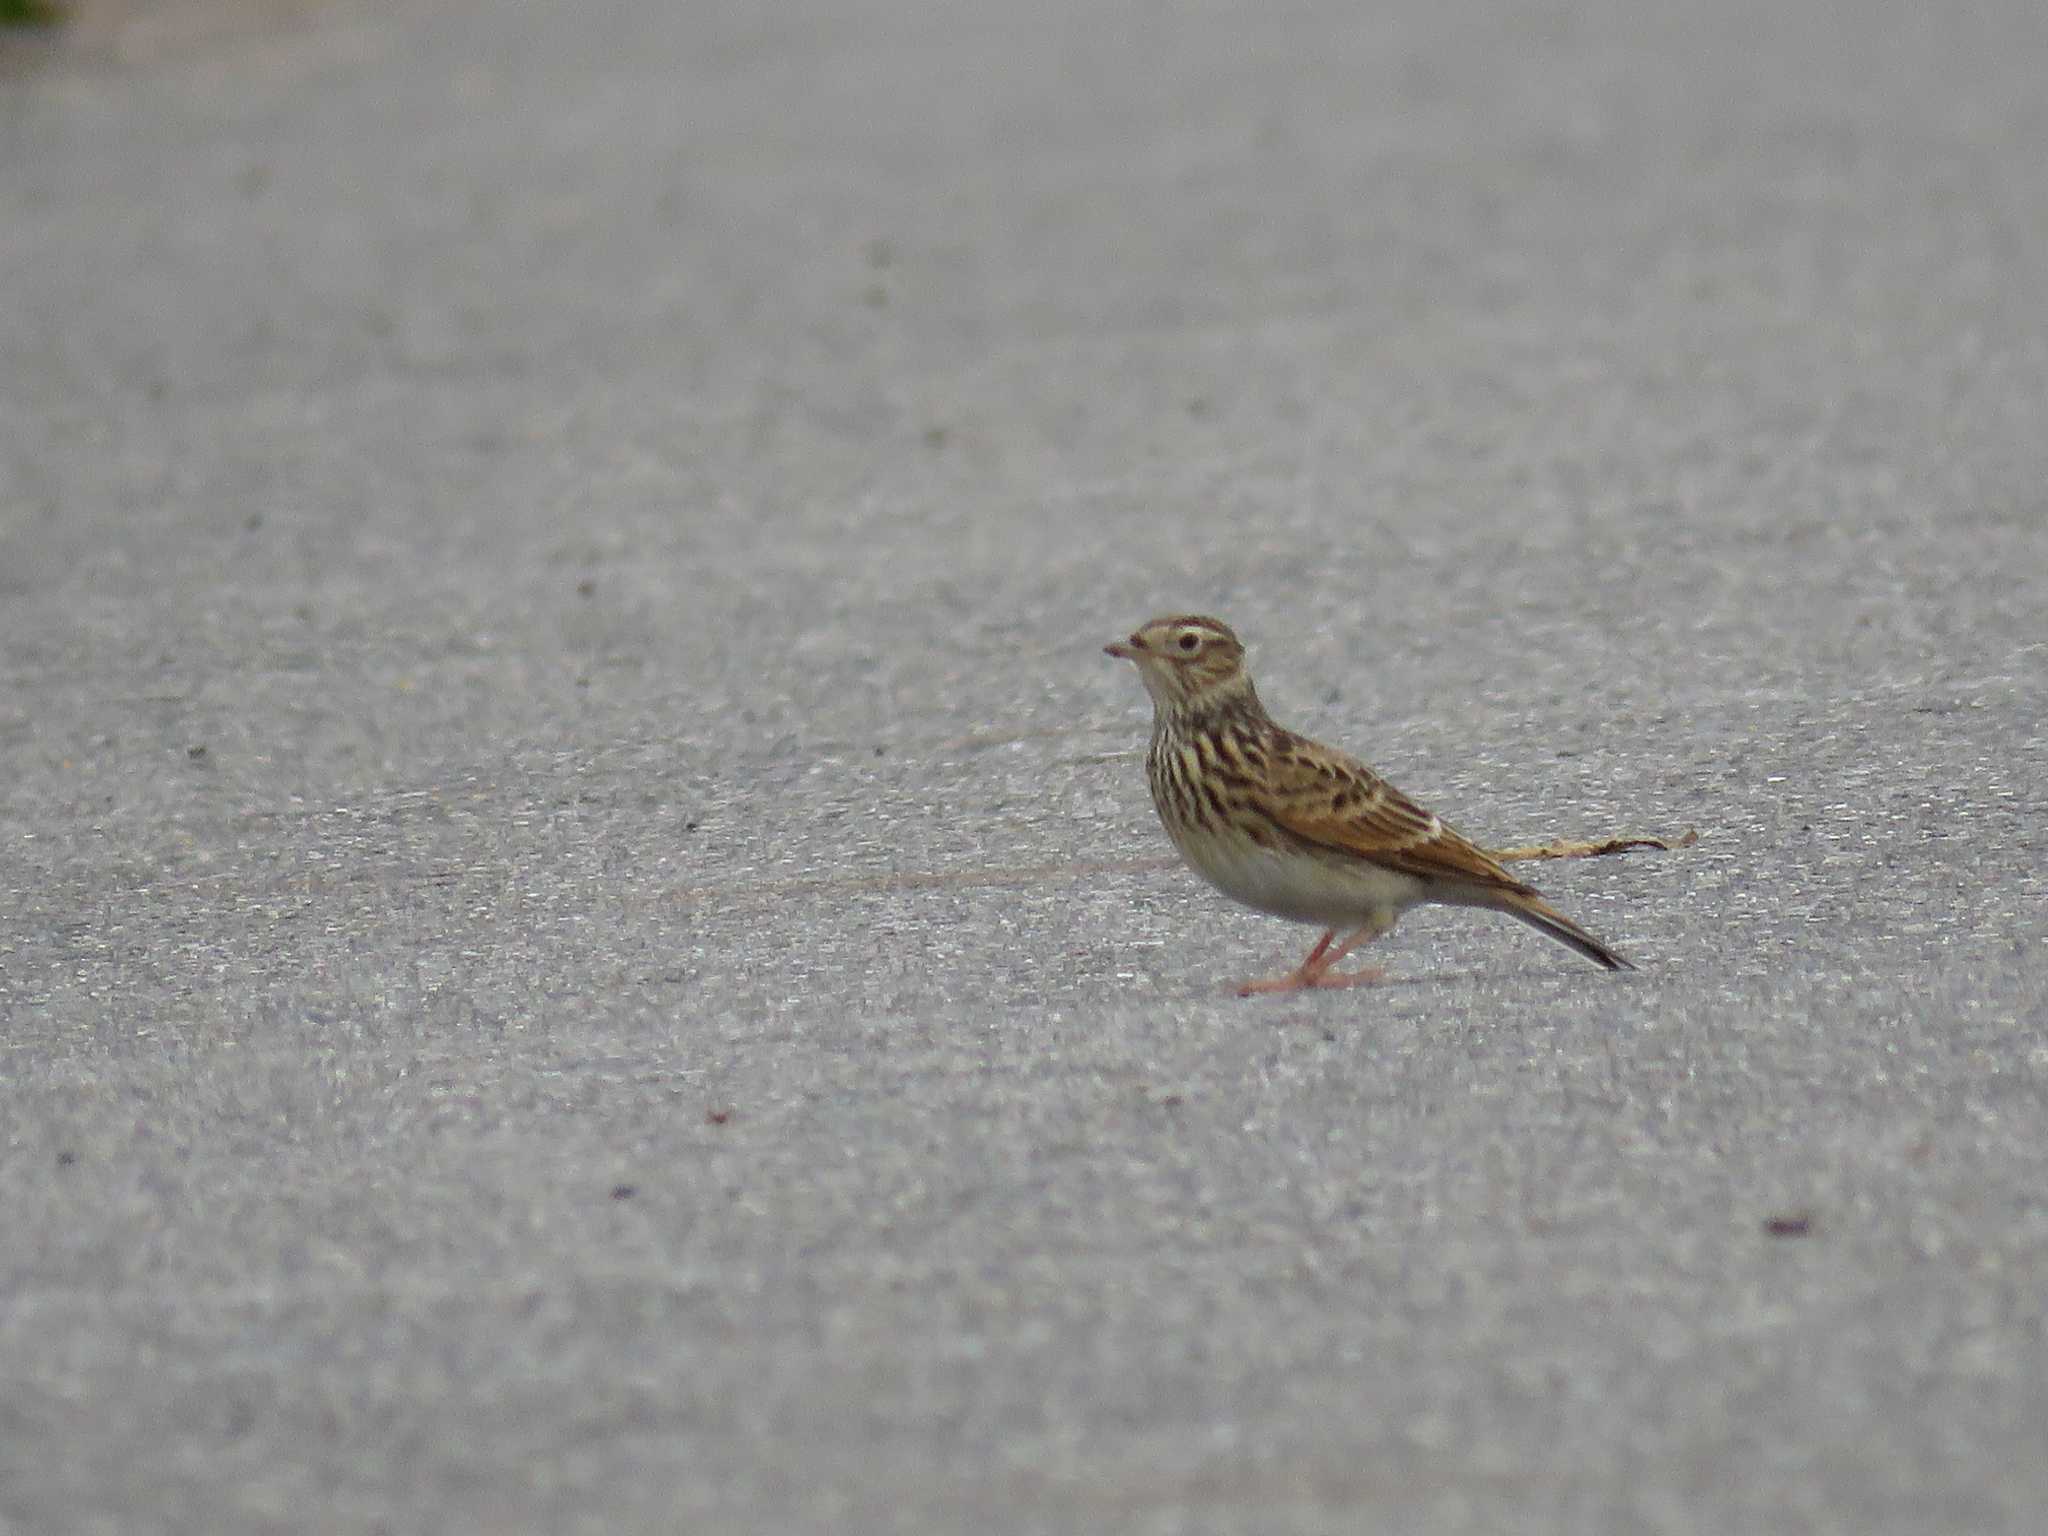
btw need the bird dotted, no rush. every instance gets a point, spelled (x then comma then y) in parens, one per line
(1296, 829)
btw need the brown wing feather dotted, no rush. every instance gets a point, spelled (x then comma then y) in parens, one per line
(1324, 797)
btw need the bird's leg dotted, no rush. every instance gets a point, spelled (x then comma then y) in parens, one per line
(1308, 965)
(1327, 974)
(1303, 975)
(1316, 970)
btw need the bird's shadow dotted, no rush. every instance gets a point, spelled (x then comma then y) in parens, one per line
(1407, 982)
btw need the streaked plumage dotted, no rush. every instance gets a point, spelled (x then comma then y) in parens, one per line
(1297, 829)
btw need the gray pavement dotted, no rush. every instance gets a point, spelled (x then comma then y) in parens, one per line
(576, 948)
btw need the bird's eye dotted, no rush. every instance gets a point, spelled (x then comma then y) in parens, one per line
(1188, 641)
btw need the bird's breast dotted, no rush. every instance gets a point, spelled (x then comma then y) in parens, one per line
(1288, 880)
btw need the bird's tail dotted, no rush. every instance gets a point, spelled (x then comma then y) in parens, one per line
(1544, 918)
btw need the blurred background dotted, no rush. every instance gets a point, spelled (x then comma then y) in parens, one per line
(581, 936)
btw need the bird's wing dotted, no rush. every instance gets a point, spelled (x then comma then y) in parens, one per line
(1325, 798)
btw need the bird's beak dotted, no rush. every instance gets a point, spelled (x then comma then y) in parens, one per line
(1122, 648)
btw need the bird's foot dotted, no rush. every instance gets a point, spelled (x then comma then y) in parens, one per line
(1302, 981)
(1364, 976)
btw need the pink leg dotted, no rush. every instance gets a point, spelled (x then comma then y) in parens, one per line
(1309, 964)
(1326, 975)
(1316, 970)
(1296, 978)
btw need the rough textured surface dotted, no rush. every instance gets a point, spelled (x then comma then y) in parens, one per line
(556, 775)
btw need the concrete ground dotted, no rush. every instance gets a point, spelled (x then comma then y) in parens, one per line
(582, 945)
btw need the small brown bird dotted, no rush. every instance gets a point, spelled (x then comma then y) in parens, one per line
(1297, 829)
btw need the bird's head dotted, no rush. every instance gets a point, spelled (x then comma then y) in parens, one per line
(1187, 662)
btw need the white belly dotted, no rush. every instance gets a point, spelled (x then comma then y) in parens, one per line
(1331, 891)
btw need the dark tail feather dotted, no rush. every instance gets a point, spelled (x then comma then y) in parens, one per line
(1544, 918)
